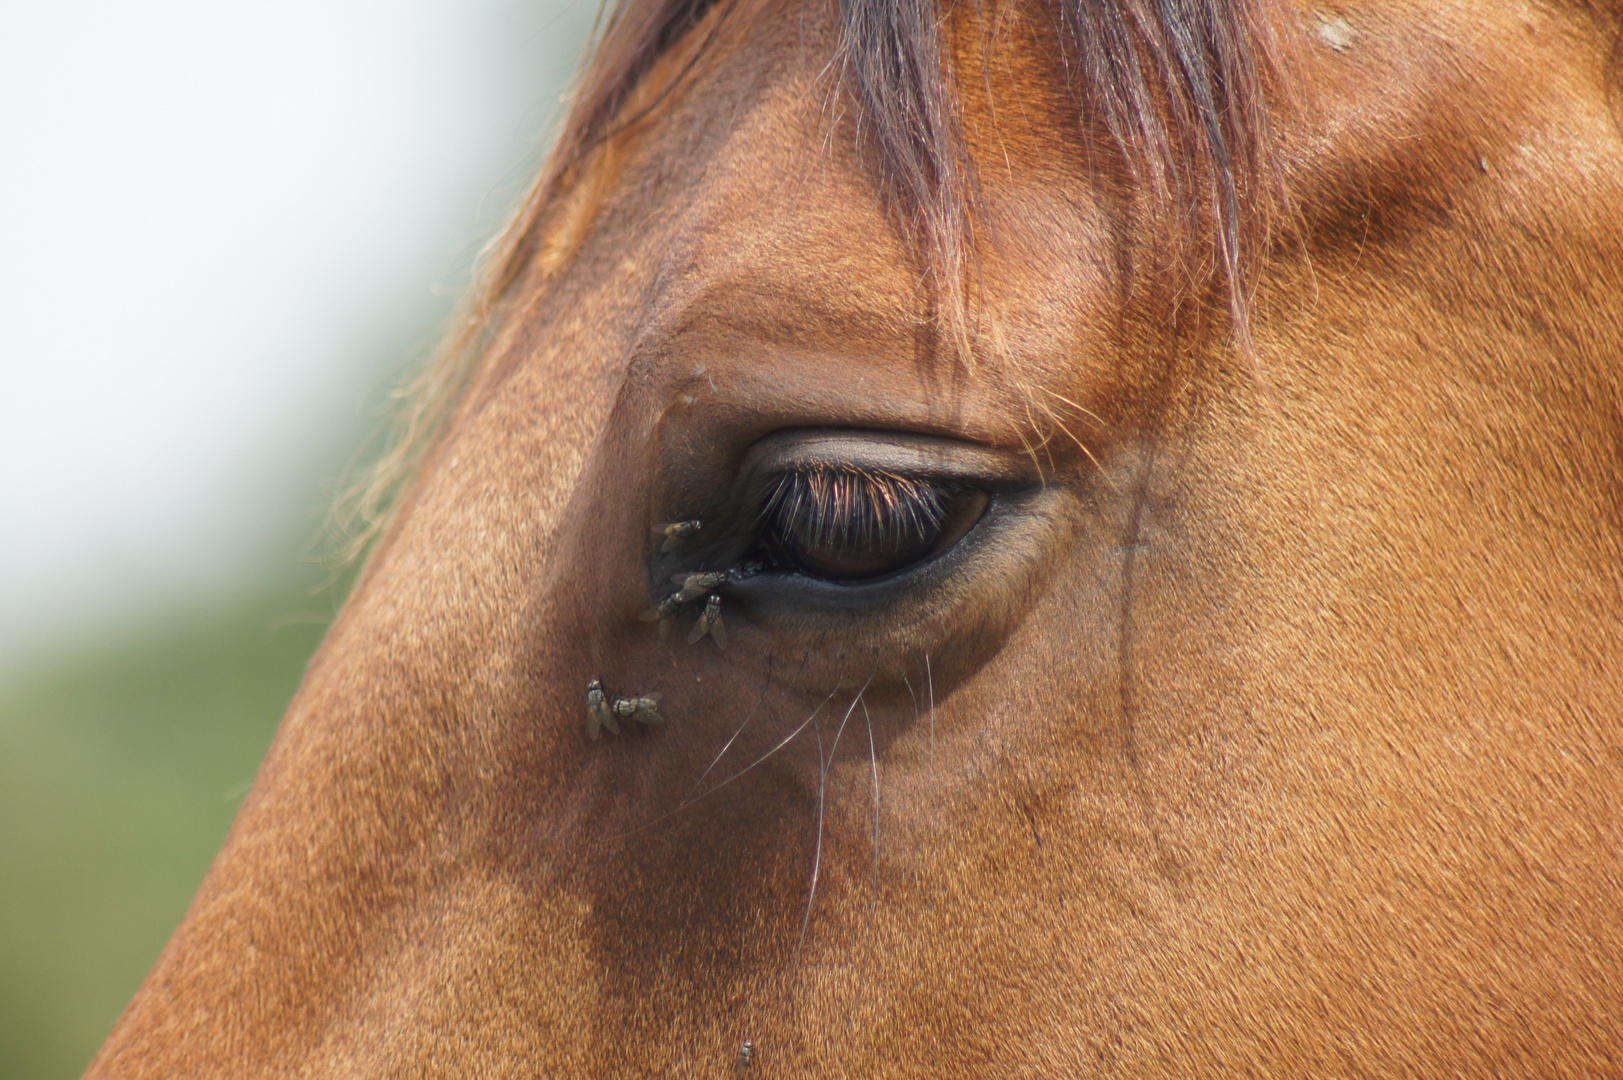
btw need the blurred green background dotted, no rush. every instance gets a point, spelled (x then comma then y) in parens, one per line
(121, 764)
(280, 204)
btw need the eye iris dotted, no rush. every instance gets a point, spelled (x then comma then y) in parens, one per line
(849, 525)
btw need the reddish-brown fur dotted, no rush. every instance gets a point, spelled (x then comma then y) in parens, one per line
(1288, 744)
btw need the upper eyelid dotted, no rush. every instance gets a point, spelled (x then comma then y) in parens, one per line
(921, 457)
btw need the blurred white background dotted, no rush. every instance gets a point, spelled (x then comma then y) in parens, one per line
(224, 228)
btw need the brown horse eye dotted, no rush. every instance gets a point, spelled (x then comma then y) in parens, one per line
(854, 525)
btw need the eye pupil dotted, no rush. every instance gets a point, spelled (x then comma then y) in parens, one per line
(851, 525)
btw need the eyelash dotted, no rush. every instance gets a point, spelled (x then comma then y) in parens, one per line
(847, 509)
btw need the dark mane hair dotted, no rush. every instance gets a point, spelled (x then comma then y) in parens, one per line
(1178, 85)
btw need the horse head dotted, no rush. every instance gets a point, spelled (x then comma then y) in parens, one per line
(1018, 539)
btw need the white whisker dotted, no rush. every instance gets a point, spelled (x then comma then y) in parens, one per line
(873, 769)
(748, 717)
(929, 680)
(822, 791)
(781, 743)
(785, 741)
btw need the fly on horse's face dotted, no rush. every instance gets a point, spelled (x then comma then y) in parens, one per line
(1165, 518)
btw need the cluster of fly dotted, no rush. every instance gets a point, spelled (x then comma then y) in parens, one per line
(691, 587)
(605, 712)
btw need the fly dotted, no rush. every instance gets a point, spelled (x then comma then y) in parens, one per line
(696, 585)
(641, 709)
(709, 622)
(598, 713)
(605, 712)
(675, 532)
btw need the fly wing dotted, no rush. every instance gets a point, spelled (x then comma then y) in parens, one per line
(695, 585)
(719, 632)
(700, 629)
(674, 533)
(602, 717)
(662, 610)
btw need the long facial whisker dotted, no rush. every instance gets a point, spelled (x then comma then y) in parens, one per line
(873, 772)
(822, 788)
(686, 803)
(849, 711)
(873, 899)
(817, 851)
(929, 680)
(873, 769)
(728, 745)
(911, 696)
(785, 741)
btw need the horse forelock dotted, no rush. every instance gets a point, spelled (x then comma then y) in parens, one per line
(1179, 88)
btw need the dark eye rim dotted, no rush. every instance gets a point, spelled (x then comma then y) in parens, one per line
(731, 531)
(807, 596)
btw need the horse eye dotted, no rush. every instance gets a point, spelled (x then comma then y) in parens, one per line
(855, 525)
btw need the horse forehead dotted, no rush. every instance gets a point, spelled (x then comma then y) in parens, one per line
(781, 211)
(784, 230)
